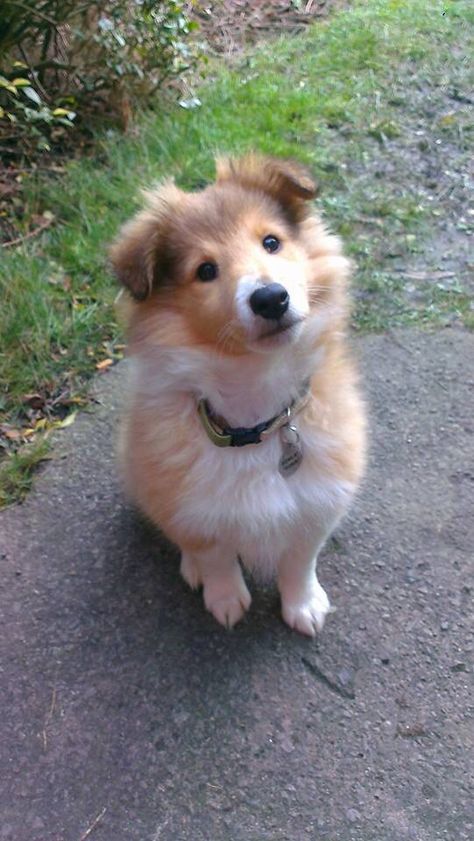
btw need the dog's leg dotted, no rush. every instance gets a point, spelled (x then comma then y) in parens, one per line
(190, 570)
(225, 593)
(303, 600)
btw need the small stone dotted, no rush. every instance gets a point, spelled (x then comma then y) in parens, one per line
(444, 626)
(352, 815)
(37, 823)
(346, 676)
(428, 791)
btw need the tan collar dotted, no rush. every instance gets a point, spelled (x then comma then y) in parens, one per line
(240, 436)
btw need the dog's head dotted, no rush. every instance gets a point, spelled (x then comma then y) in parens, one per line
(239, 265)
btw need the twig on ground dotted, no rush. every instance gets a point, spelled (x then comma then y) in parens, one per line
(48, 718)
(29, 235)
(426, 275)
(21, 170)
(93, 824)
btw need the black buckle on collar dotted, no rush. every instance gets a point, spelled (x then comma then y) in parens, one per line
(241, 435)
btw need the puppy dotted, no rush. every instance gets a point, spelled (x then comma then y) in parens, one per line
(244, 435)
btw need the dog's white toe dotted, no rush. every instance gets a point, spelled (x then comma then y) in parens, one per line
(227, 600)
(308, 614)
(190, 571)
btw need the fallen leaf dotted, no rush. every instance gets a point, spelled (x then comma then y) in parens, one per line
(106, 363)
(80, 401)
(448, 119)
(48, 425)
(66, 422)
(36, 401)
(12, 434)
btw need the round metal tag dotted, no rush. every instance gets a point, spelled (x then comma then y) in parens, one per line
(291, 451)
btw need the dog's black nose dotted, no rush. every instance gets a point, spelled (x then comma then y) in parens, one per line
(270, 301)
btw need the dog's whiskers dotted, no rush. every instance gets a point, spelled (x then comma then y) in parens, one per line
(314, 295)
(225, 334)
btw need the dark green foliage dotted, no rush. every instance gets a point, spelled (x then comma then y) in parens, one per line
(62, 61)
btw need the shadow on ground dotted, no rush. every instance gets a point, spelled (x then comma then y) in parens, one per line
(129, 715)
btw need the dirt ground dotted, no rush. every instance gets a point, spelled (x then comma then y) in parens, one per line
(230, 25)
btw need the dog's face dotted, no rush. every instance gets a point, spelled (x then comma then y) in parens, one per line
(233, 266)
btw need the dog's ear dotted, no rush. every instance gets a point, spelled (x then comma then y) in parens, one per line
(286, 181)
(137, 255)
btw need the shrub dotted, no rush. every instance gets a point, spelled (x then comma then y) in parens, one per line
(62, 62)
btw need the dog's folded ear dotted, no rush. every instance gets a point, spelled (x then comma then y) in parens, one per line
(138, 253)
(286, 181)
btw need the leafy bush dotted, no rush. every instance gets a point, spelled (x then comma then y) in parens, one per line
(24, 115)
(61, 61)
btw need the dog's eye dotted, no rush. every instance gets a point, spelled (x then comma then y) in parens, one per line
(207, 271)
(271, 244)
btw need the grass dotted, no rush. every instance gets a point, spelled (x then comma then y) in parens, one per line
(349, 98)
(17, 470)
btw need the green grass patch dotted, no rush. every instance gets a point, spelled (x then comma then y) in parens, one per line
(386, 300)
(344, 98)
(17, 470)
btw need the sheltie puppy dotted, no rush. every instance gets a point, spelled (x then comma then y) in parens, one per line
(244, 433)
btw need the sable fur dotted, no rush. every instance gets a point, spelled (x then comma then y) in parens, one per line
(191, 339)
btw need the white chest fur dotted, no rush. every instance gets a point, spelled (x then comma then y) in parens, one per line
(237, 495)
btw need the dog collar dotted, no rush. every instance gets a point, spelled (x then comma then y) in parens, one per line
(240, 436)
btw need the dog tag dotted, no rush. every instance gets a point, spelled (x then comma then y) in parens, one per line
(292, 452)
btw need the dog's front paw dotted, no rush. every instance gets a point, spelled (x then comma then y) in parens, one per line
(307, 614)
(227, 599)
